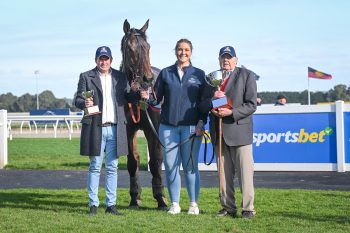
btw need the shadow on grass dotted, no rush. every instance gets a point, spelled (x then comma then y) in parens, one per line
(331, 195)
(40, 201)
(344, 219)
(56, 202)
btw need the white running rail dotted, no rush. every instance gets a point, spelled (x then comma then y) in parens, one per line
(68, 119)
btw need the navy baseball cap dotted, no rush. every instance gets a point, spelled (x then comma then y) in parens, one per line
(281, 96)
(103, 51)
(227, 50)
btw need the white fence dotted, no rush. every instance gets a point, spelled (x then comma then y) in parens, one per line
(3, 138)
(7, 121)
(69, 120)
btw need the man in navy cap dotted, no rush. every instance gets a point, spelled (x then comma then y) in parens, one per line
(281, 100)
(99, 135)
(239, 85)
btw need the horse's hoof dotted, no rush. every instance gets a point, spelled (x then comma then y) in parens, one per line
(135, 204)
(134, 207)
(163, 208)
(162, 203)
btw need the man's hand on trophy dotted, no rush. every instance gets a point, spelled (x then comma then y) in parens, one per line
(224, 112)
(215, 111)
(89, 102)
(218, 94)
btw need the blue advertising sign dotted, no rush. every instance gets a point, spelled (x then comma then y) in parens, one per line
(292, 138)
(49, 112)
(56, 111)
(295, 138)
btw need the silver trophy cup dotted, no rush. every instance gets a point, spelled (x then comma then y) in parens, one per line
(215, 80)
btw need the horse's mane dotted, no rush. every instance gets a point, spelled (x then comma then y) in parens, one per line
(135, 50)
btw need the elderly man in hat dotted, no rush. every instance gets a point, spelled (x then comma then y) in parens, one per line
(104, 128)
(239, 85)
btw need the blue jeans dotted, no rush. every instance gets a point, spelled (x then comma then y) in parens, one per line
(108, 143)
(171, 136)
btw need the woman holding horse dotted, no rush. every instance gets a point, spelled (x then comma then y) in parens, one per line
(180, 87)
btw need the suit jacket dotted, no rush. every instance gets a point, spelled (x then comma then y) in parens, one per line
(237, 129)
(91, 133)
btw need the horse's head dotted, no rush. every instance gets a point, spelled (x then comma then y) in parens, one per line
(135, 51)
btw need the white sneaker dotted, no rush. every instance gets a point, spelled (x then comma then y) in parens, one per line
(193, 209)
(174, 209)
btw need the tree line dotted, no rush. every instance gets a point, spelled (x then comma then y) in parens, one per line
(338, 92)
(47, 99)
(27, 102)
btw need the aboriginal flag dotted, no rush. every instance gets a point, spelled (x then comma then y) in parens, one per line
(312, 73)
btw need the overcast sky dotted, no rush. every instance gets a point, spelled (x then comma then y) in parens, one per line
(278, 40)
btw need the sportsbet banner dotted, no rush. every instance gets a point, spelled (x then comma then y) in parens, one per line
(295, 138)
(292, 138)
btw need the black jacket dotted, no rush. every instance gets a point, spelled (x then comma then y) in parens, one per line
(91, 133)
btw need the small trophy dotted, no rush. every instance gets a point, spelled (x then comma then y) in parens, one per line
(214, 79)
(90, 110)
(143, 105)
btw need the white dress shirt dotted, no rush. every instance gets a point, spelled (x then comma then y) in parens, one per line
(109, 98)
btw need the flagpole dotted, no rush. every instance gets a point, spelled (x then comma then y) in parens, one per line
(308, 90)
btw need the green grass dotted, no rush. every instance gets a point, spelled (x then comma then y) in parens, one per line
(56, 153)
(41, 210)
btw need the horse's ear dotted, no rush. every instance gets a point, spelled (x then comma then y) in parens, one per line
(126, 26)
(144, 28)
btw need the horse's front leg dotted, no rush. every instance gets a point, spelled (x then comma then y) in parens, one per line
(156, 158)
(133, 167)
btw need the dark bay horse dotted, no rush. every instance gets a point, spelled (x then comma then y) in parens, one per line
(141, 76)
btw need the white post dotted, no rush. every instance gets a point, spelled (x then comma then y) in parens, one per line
(3, 138)
(339, 118)
(36, 72)
(308, 90)
(55, 129)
